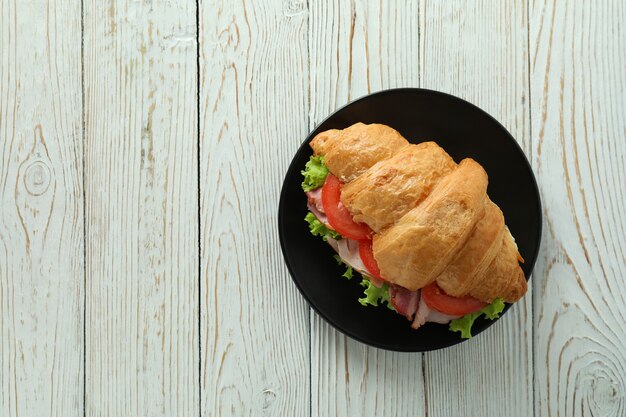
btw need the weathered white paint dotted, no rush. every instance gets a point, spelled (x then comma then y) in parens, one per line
(357, 48)
(141, 175)
(253, 113)
(578, 80)
(553, 73)
(41, 210)
(480, 53)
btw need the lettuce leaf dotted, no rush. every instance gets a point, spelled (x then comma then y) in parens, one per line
(464, 324)
(349, 273)
(493, 310)
(317, 228)
(374, 294)
(314, 173)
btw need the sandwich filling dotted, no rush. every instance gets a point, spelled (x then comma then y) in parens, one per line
(352, 242)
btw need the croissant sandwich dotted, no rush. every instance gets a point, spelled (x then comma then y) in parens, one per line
(419, 228)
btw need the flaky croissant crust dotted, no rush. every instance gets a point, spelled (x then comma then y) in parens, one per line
(432, 218)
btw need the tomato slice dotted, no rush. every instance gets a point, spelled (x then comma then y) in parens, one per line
(437, 299)
(367, 256)
(338, 216)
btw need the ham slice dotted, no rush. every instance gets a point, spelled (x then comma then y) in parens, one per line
(348, 250)
(404, 301)
(320, 215)
(407, 303)
(426, 314)
(315, 206)
(315, 198)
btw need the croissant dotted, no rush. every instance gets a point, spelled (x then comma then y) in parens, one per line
(350, 152)
(470, 264)
(415, 250)
(432, 220)
(389, 189)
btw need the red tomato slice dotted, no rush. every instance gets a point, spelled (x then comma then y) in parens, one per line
(367, 256)
(338, 216)
(437, 299)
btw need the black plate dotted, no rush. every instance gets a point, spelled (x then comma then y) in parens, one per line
(463, 130)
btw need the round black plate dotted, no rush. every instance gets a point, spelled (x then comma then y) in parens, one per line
(463, 130)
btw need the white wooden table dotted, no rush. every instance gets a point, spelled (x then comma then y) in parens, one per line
(142, 149)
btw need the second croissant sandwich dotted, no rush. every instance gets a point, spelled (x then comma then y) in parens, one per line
(419, 228)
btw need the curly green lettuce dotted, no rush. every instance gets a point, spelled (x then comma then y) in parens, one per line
(314, 173)
(317, 228)
(349, 272)
(374, 294)
(464, 324)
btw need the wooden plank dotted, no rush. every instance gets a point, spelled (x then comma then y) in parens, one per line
(357, 48)
(254, 109)
(41, 210)
(141, 206)
(479, 52)
(578, 80)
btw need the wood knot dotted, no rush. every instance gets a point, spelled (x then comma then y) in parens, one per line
(35, 190)
(605, 393)
(269, 396)
(604, 387)
(295, 7)
(228, 38)
(37, 177)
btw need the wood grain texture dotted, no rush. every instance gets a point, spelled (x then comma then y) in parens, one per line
(578, 80)
(239, 339)
(142, 347)
(254, 108)
(41, 210)
(479, 52)
(356, 48)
